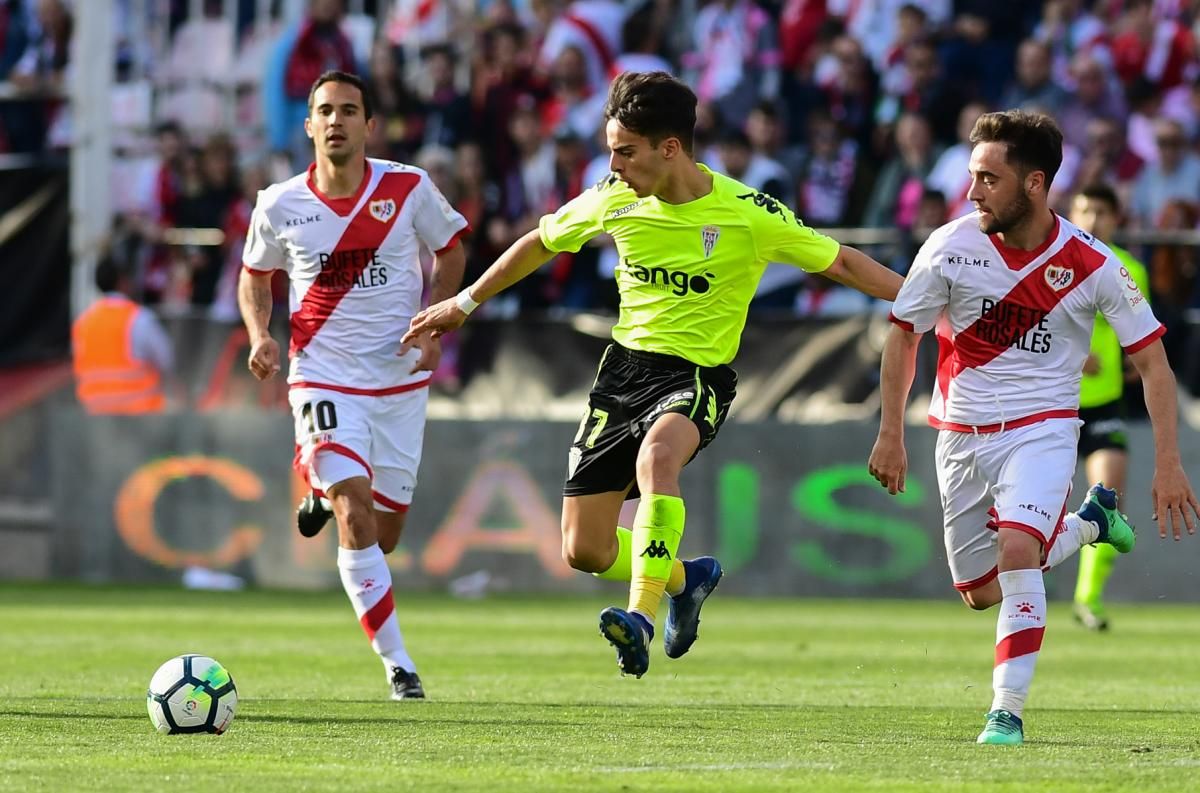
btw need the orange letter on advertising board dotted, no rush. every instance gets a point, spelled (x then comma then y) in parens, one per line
(537, 528)
(134, 510)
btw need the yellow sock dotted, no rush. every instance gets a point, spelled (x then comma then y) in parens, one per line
(621, 568)
(657, 530)
(677, 580)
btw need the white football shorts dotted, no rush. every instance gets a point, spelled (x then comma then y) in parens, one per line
(341, 435)
(1018, 479)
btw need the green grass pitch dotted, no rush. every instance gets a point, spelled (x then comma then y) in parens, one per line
(524, 695)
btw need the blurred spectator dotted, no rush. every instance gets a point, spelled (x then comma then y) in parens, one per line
(447, 110)
(1175, 177)
(1106, 158)
(574, 277)
(1072, 32)
(875, 23)
(1154, 48)
(897, 192)
(765, 131)
(572, 102)
(314, 46)
(827, 175)
(926, 92)
(735, 56)
(912, 25)
(932, 212)
(120, 352)
(641, 41)
(208, 196)
(1094, 97)
(42, 70)
(741, 162)
(503, 80)
(950, 176)
(1034, 86)
(593, 27)
(528, 186)
(800, 24)
(1173, 279)
(237, 223)
(399, 114)
(14, 34)
(1182, 103)
(1145, 104)
(978, 50)
(849, 89)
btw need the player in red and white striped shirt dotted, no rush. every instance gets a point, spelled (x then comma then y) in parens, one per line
(348, 233)
(1012, 291)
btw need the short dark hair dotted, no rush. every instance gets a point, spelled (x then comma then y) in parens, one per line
(654, 105)
(108, 274)
(334, 76)
(1033, 140)
(1099, 191)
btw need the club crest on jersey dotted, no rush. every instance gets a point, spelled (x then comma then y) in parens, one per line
(383, 209)
(1059, 278)
(710, 235)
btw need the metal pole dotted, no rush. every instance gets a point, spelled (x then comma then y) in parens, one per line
(92, 57)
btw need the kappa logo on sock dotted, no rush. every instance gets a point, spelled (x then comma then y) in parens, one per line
(1025, 608)
(657, 549)
(368, 583)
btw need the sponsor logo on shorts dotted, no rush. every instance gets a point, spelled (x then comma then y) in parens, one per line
(1034, 508)
(677, 400)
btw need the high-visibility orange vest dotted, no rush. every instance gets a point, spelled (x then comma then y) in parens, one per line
(108, 379)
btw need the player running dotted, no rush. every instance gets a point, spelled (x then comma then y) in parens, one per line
(693, 245)
(1012, 290)
(348, 232)
(1102, 438)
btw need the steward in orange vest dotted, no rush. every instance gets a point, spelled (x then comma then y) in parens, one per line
(120, 352)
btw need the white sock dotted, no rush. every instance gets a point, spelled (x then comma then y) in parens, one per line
(1076, 533)
(1019, 629)
(368, 581)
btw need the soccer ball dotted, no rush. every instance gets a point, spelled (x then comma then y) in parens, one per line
(191, 693)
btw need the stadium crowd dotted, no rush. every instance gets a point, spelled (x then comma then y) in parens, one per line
(855, 112)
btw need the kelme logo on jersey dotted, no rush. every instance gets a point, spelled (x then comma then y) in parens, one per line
(677, 281)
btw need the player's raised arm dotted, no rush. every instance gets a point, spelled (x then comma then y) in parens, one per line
(859, 271)
(522, 258)
(1175, 502)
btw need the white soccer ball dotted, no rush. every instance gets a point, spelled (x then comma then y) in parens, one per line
(191, 693)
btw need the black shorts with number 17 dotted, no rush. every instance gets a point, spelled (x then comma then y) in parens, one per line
(632, 390)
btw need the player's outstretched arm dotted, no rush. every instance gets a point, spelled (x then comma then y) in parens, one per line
(522, 258)
(855, 269)
(1175, 503)
(889, 461)
(254, 299)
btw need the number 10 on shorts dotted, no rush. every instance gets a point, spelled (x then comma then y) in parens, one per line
(319, 416)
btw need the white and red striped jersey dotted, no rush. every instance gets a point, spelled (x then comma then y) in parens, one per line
(356, 278)
(1014, 327)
